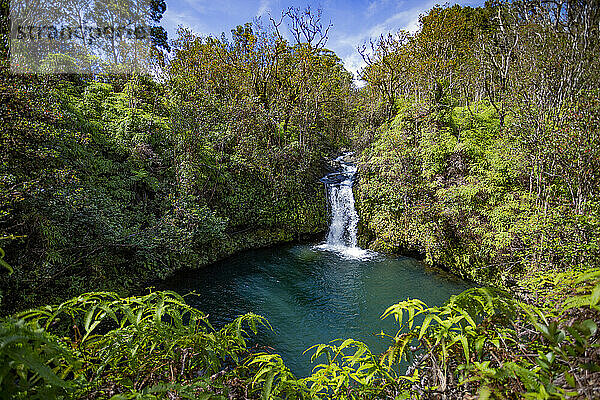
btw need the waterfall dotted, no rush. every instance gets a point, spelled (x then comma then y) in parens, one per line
(341, 237)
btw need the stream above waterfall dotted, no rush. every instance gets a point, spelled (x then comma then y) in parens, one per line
(316, 293)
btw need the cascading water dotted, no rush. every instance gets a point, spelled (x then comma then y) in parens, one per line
(341, 237)
(315, 294)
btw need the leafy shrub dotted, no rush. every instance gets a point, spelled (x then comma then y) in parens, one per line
(481, 341)
(138, 345)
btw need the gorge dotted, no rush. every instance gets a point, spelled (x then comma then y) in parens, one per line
(316, 293)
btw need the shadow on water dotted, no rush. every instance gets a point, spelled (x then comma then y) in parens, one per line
(311, 295)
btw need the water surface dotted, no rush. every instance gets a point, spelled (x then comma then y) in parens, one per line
(316, 294)
(312, 295)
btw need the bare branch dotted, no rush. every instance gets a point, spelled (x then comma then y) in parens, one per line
(306, 27)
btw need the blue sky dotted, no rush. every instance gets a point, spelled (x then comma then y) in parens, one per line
(354, 21)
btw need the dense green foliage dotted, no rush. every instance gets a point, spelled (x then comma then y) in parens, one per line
(488, 162)
(481, 153)
(133, 347)
(482, 342)
(108, 182)
(478, 142)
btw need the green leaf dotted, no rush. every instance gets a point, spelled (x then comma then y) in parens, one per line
(411, 317)
(570, 379)
(425, 325)
(595, 273)
(268, 385)
(465, 346)
(595, 296)
(6, 266)
(577, 301)
(129, 314)
(36, 365)
(346, 343)
(479, 342)
(484, 393)
(88, 319)
(593, 367)
(591, 326)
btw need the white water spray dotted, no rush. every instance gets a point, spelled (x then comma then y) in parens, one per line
(341, 237)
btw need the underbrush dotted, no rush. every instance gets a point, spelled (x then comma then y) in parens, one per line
(483, 343)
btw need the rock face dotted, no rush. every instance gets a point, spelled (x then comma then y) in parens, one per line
(350, 158)
(344, 156)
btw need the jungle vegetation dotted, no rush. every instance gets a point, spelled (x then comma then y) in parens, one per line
(112, 180)
(478, 143)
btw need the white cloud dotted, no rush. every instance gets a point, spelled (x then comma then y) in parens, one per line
(264, 8)
(354, 63)
(375, 6)
(402, 20)
(172, 20)
(198, 6)
(345, 45)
